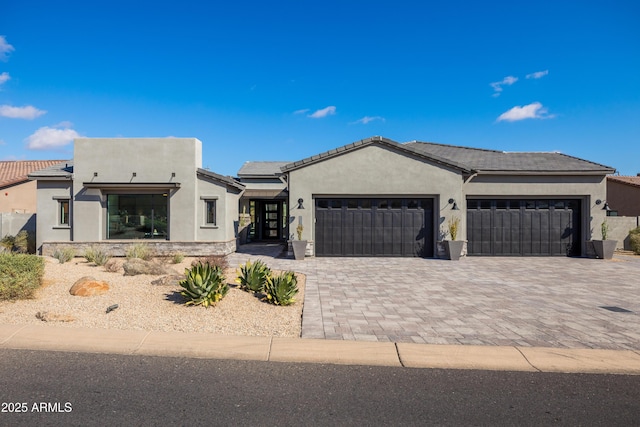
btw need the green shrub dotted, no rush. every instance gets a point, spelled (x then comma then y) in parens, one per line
(7, 242)
(20, 275)
(203, 285)
(253, 277)
(177, 258)
(140, 250)
(65, 254)
(281, 289)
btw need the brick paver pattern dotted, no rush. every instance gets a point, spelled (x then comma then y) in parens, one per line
(536, 301)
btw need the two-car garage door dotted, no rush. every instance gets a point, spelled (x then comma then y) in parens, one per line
(374, 227)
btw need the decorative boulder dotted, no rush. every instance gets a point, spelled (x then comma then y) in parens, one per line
(136, 266)
(88, 286)
(171, 280)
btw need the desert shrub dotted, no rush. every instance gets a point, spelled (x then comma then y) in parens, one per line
(281, 289)
(203, 284)
(177, 258)
(140, 250)
(20, 275)
(65, 254)
(252, 277)
(97, 255)
(7, 242)
(21, 242)
(634, 240)
(214, 261)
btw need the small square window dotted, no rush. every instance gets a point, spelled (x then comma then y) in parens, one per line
(210, 213)
(63, 209)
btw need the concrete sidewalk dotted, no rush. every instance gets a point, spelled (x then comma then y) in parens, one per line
(276, 349)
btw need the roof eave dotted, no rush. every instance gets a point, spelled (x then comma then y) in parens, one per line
(549, 172)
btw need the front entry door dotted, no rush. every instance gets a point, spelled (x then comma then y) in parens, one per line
(271, 220)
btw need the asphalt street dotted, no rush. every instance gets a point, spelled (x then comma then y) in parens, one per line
(59, 388)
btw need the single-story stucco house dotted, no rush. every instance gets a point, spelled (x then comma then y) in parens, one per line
(374, 197)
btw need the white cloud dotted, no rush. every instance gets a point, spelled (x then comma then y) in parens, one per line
(29, 112)
(47, 138)
(538, 74)
(4, 77)
(5, 49)
(367, 119)
(303, 111)
(497, 86)
(327, 111)
(534, 110)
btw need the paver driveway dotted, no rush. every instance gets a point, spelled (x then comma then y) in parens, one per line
(551, 302)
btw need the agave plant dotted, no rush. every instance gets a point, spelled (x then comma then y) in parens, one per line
(281, 289)
(203, 284)
(252, 277)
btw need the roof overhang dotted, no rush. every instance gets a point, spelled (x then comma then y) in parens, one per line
(252, 193)
(132, 185)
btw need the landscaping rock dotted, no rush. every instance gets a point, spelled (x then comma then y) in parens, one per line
(171, 280)
(88, 286)
(136, 266)
(46, 316)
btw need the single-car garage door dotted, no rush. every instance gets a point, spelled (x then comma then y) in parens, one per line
(374, 227)
(523, 227)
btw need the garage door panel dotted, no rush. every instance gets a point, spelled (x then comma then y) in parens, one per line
(374, 227)
(523, 227)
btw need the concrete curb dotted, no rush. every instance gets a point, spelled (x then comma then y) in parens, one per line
(278, 349)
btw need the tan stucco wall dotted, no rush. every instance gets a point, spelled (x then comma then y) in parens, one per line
(19, 198)
(623, 198)
(373, 170)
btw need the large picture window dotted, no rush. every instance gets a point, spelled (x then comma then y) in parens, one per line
(137, 216)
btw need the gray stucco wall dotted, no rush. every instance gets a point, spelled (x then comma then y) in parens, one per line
(47, 227)
(374, 170)
(226, 210)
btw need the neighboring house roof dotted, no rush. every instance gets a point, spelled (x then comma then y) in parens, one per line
(221, 178)
(379, 141)
(62, 169)
(16, 172)
(482, 160)
(261, 169)
(633, 181)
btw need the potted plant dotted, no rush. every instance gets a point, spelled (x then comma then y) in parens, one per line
(604, 248)
(453, 247)
(299, 246)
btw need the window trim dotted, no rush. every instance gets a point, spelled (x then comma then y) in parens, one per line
(60, 216)
(207, 201)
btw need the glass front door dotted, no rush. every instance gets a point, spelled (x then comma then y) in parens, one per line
(271, 220)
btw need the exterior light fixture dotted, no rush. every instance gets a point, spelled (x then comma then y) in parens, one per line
(455, 205)
(300, 203)
(95, 174)
(135, 174)
(606, 207)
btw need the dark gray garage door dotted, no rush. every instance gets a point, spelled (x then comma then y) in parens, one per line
(523, 227)
(374, 227)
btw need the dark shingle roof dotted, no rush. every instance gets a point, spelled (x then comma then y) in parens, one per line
(261, 169)
(221, 178)
(63, 169)
(15, 172)
(501, 161)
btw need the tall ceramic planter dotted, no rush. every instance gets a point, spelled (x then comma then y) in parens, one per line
(299, 248)
(453, 249)
(604, 248)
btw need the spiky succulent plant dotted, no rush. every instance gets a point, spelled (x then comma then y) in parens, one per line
(281, 289)
(203, 285)
(253, 276)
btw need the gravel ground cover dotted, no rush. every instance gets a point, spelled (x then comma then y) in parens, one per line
(143, 306)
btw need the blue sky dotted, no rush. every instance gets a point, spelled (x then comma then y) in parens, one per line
(285, 80)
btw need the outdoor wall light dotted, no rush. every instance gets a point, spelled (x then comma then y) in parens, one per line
(135, 174)
(95, 174)
(173, 174)
(455, 205)
(300, 203)
(606, 205)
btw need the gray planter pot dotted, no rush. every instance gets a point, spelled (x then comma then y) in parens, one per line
(453, 249)
(604, 248)
(299, 248)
